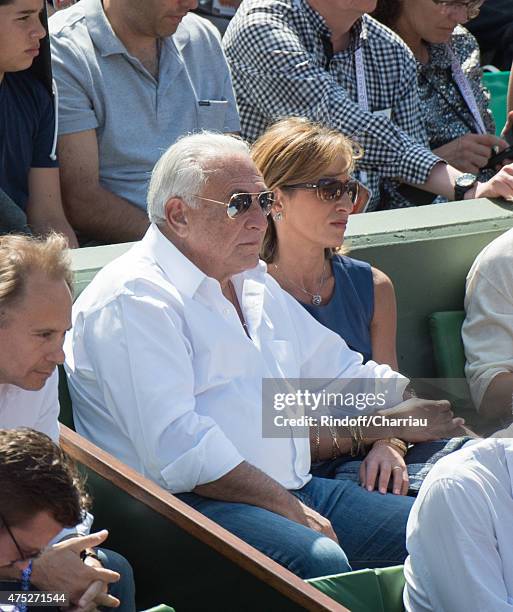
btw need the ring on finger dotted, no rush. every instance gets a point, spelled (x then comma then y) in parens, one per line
(397, 467)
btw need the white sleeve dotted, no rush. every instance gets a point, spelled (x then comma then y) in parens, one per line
(452, 545)
(487, 331)
(143, 364)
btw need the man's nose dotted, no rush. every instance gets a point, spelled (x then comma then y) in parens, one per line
(57, 354)
(38, 32)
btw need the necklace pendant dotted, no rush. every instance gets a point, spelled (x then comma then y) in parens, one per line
(316, 300)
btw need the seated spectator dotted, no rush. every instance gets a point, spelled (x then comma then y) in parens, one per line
(459, 533)
(35, 312)
(456, 111)
(330, 62)
(488, 329)
(42, 493)
(132, 77)
(493, 29)
(29, 172)
(178, 334)
(308, 167)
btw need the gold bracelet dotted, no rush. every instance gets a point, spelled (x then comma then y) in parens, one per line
(398, 444)
(357, 441)
(335, 446)
(317, 443)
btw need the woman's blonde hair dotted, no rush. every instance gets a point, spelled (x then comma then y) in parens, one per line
(297, 150)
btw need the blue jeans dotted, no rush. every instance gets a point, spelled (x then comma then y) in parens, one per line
(370, 527)
(124, 589)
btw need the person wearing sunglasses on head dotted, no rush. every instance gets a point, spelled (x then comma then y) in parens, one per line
(455, 105)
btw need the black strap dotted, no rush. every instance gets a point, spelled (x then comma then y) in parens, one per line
(327, 46)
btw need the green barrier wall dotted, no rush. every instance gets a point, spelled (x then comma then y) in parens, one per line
(427, 252)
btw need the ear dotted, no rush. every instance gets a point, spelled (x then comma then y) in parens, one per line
(177, 216)
(280, 199)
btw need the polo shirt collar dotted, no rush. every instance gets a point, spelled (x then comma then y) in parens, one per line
(100, 30)
(105, 39)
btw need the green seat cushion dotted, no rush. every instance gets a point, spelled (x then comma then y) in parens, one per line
(448, 352)
(368, 590)
(497, 84)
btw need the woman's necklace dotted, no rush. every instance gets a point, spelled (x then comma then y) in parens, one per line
(316, 297)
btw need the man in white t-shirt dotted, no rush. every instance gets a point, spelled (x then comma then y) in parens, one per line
(35, 313)
(488, 329)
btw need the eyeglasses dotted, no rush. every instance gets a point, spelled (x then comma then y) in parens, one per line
(23, 557)
(473, 7)
(240, 202)
(333, 190)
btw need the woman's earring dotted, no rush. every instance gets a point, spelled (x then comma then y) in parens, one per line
(278, 216)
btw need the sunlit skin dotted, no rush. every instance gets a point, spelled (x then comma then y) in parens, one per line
(218, 245)
(340, 16)
(20, 35)
(149, 19)
(32, 333)
(422, 21)
(308, 226)
(31, 536)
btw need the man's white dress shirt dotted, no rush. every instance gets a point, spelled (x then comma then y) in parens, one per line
(38, 410)
(460, 533)
(163, 376)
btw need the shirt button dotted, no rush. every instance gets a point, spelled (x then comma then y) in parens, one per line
(226, 312)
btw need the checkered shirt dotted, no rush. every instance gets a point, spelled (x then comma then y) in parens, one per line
(280, 68)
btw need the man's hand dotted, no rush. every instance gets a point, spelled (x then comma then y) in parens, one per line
(310, 518)
(471, 152)
(499, 186)
(438, 414)
(384, 461)
(62, 569)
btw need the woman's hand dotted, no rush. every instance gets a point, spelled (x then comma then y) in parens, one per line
(384, 461)
(471, 152)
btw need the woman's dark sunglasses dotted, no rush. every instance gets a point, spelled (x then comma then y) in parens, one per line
(332, 190)
(241, 202)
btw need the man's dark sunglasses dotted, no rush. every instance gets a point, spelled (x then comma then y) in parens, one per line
(23, 557)
(240, 202)
(332, 190)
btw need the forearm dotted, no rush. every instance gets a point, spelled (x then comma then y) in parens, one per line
(248, 485)
(498, 399)
(56, 223)
(103, 216)
(441, 181)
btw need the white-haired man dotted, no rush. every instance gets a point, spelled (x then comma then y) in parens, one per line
(35, 312)
(169, 348)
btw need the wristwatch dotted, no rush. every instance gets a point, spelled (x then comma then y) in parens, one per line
(463, 184)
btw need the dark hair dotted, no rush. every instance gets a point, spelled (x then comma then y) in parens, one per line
(36, 476)
(4, 2)
(388, 11)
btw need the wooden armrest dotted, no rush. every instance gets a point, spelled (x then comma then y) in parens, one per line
(195, 523)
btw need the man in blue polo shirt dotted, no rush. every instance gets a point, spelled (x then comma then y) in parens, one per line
(28, 166)
(132, 77)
